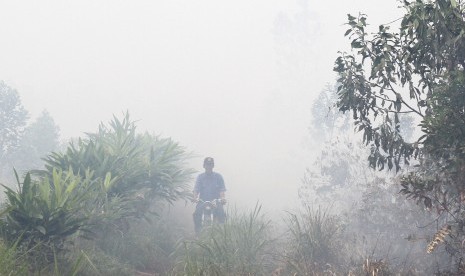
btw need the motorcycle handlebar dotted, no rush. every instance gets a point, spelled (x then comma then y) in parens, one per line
(216, 200)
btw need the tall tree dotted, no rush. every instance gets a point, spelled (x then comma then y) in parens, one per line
(13, 119)
(374, 214)
(39, 139)
(418, 70)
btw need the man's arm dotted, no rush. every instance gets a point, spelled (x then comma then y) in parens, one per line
(223, 190)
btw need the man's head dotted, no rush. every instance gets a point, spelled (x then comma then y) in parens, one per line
(208, 164)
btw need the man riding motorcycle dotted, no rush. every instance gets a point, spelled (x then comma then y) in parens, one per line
(209, 186)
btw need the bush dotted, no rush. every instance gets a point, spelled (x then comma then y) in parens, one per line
(42, 215)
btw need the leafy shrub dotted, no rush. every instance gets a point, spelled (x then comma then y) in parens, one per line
(143, 170)
(100, 186)
(41, 215)
(140, 164)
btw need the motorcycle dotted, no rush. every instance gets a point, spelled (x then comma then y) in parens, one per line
(208, 211)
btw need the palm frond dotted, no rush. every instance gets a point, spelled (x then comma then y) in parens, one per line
(439, 238)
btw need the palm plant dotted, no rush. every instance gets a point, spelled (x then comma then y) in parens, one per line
(132, 173)
(43, 214)
(98, 185)
(146, 166)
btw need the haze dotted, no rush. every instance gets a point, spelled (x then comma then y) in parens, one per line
(230, 79)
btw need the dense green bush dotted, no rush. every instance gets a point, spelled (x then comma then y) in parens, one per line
(141, 164)
(100, 186)
(143, 170)
(41, 215)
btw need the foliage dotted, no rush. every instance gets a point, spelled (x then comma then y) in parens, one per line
(376, 268)
(38, 140)
(147, 245)
(93, 261)
(380, 225)
(424, 59)
(13, 118)
(11, 261)
(61, 266)
(326, 118)
(139, 163)
(42, 214)
(237, 247)
(339, 174)
(101, 186)
(144, 169)
(314, 242)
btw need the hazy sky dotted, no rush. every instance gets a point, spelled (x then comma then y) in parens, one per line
(230, 79)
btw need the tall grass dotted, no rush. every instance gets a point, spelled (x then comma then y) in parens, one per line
(92, 261)
(143, 246)
(146, 246)
(11, 262)
(238, 247)
(314, 243)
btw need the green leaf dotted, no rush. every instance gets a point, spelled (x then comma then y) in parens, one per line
(356, 44)
(41, 229)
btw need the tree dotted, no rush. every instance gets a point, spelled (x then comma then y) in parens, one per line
(419, 71)
(373, 214)
(13, 118)
(335, 169)
(326, 118)
(39, 139)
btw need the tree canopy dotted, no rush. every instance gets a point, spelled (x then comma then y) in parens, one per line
(13, 119)
(417, 70)
(38, 139)
(413, 71)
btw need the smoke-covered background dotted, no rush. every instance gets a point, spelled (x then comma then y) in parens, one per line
(230, 79)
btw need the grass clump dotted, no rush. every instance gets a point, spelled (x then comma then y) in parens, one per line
(314, 243)
(146, 246)
(11, 261)
(238, 247)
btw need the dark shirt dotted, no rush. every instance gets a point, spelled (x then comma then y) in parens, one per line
(209, 186)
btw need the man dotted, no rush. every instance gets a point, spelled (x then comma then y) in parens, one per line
(209, 186)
